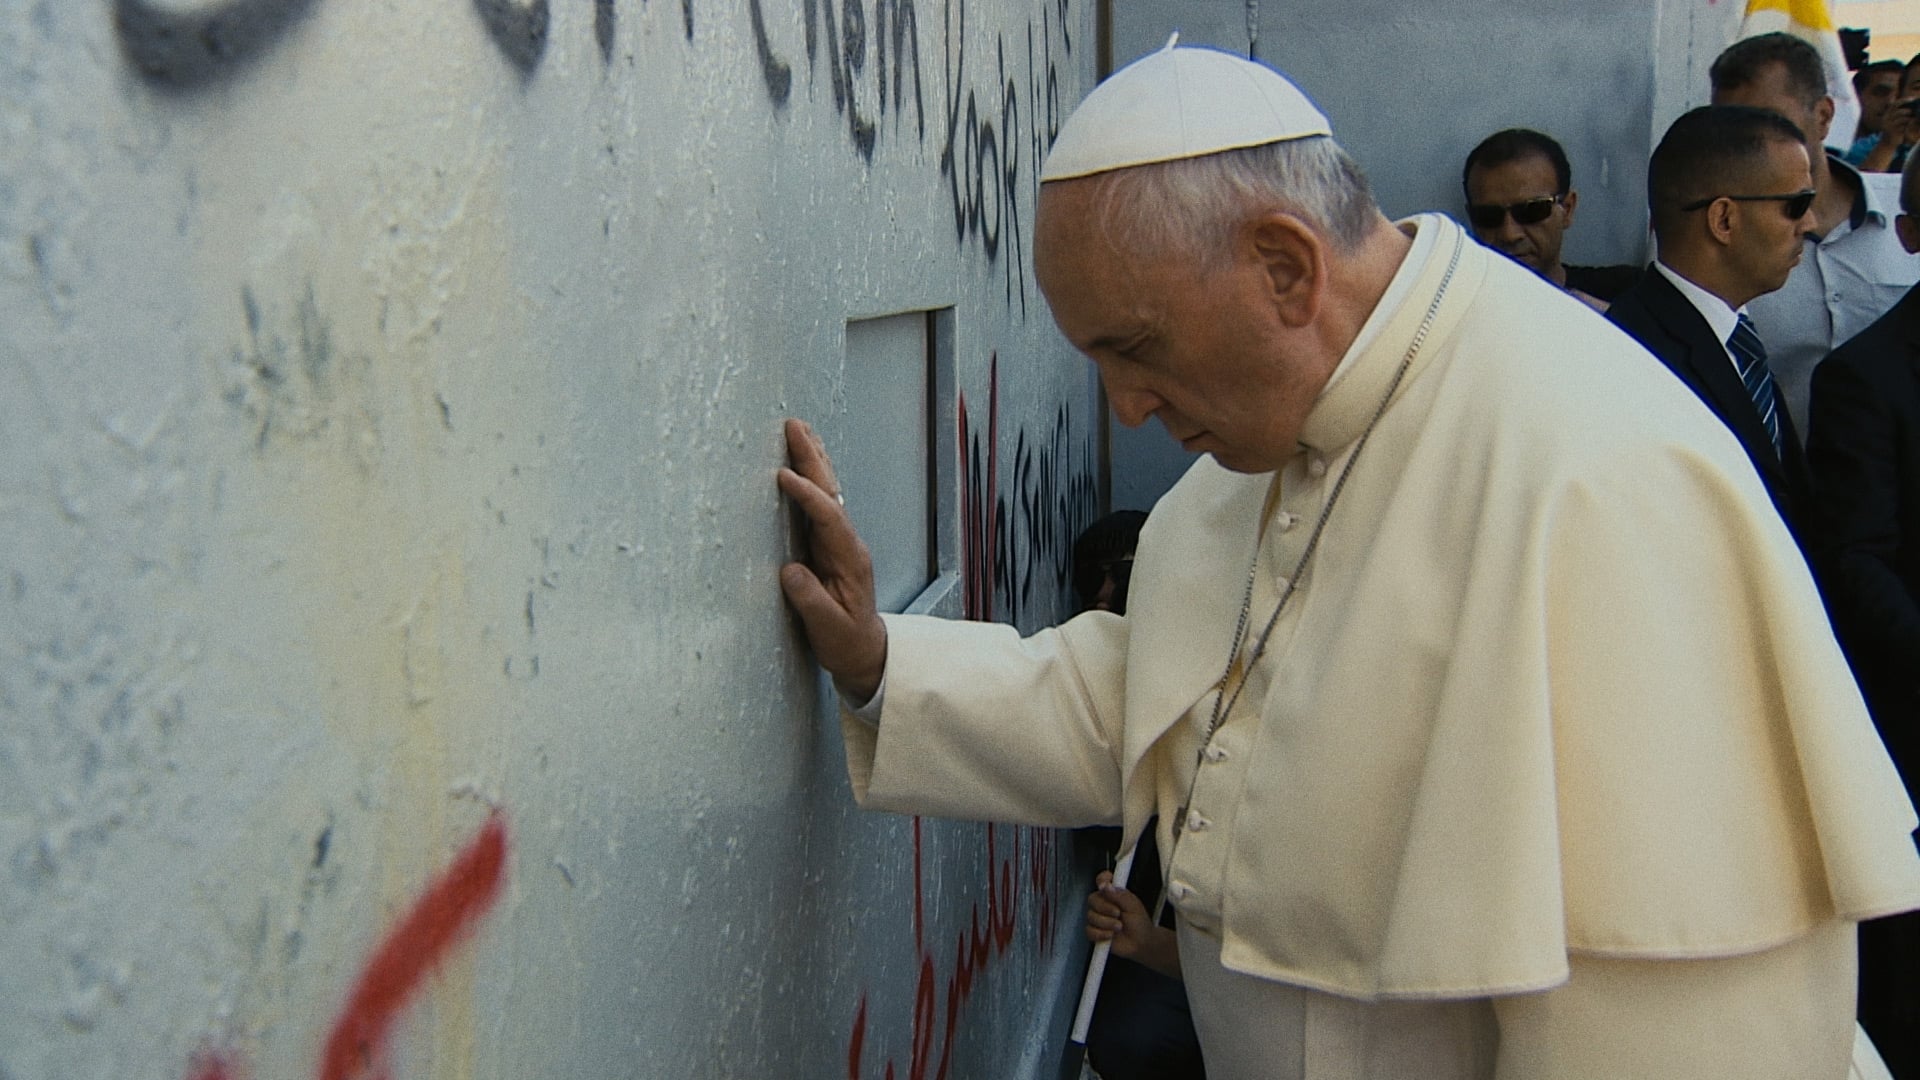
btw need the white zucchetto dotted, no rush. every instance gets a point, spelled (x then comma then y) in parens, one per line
(1180, 103)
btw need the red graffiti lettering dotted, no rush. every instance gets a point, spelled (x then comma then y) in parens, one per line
(986, 936)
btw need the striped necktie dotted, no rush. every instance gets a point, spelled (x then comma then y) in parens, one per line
(1750, 356)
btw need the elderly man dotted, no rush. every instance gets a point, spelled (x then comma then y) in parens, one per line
(1854, 268)
(1456, 776)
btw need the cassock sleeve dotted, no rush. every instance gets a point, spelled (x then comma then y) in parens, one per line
(981, 724)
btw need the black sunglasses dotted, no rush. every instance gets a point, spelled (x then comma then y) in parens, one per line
(1527, 212)
(1794, 205)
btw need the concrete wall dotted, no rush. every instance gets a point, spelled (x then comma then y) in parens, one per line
(1411, 87)
(392, 668)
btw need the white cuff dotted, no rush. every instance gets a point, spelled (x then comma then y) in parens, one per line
(870, 712)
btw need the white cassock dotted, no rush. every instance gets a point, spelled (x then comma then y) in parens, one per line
(1551, 768)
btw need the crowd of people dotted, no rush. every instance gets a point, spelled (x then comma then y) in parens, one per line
(1561, 735)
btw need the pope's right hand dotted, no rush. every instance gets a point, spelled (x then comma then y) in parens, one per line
(832, 590)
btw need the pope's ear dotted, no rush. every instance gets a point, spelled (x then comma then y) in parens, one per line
(1295, 260)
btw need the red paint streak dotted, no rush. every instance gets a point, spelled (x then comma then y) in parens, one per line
(215, 1065)
(858, 1043)
(413, 950)
(988, 935)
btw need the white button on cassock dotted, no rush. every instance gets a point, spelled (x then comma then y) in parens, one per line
(1179, 890)
(1316, 466)
(1214, 753)
(1196, 823)
(1285, 520)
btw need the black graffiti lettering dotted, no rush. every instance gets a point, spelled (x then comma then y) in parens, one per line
(855, 40)
(1007, 228)
(777, 72)
(898, 18)
(519, 32)
(603, 18)
(986, 149)
(1017, 538)
(854, 32)
(185, 50)
(845, 101)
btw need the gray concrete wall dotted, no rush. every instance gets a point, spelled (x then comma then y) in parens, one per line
(392, 667)
(1411, 87)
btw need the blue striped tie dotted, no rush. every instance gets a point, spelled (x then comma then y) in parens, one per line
(1750, 356)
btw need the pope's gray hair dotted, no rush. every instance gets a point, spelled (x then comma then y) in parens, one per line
(1193, 206)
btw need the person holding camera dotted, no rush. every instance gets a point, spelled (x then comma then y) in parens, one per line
(1899, 130)
(1852, 268)
(1877, 86)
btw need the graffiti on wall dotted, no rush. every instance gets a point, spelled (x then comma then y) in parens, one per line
(999, 112)
(1018, 526)
(396, 975)
(1017, 532)
(186, 49)
(1026, 877)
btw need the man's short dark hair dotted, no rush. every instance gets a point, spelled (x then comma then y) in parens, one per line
(1879, 67)
(1518, 144)
(1702, 153)
(1746, 60)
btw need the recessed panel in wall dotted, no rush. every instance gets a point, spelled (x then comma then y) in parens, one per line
(886, 465)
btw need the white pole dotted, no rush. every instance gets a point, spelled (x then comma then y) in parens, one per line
(1097, 966)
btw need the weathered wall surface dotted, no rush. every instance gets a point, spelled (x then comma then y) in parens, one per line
(393, 678)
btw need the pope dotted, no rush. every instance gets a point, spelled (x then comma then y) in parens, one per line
(1491, 721)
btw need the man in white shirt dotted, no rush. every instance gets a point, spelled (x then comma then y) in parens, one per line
(1854, 268)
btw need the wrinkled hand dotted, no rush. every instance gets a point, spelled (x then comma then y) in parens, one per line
(833, 590)
(1116, 915)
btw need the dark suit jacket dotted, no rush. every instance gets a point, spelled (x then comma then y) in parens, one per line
(1660, 318)
(1864, 448)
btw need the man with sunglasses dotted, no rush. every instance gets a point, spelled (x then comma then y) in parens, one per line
(1731, 195)
(1854, 268)
(1520, 202)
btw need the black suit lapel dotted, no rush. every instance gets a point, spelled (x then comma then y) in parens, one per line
(1703, 360)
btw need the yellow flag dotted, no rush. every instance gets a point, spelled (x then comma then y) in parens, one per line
(1812, 21)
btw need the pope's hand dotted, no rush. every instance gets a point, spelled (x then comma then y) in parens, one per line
(833, 590)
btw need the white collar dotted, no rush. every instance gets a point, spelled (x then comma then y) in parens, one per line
(1719, 314)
